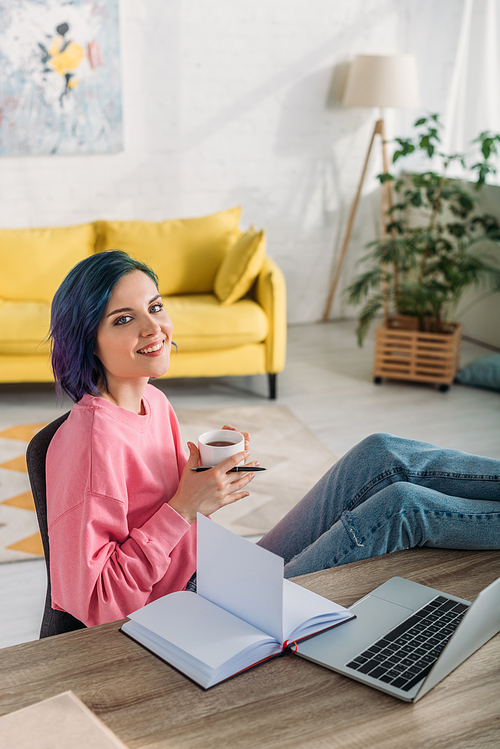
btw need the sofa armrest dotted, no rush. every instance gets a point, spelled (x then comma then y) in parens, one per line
(270, 293)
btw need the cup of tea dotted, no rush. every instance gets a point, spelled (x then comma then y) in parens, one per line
(218, 445)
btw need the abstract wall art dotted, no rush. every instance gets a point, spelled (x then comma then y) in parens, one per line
(60, 87)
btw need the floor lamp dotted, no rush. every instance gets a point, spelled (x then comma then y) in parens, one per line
(375, 81)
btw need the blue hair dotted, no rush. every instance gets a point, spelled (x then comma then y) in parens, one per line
(77, 309)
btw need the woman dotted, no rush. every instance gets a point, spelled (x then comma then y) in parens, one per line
(122, 500)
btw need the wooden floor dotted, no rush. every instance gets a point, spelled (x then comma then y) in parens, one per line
(327, 384)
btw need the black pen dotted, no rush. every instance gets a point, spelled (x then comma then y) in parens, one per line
(238, 469)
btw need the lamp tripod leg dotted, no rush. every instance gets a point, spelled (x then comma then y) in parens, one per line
(377, 130)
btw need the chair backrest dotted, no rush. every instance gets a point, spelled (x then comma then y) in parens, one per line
(54, 622)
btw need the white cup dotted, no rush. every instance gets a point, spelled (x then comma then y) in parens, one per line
(212, 455)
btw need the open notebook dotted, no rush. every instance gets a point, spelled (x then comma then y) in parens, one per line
(243, 612)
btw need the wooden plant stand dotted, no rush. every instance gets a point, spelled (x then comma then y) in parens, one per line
(417, 356)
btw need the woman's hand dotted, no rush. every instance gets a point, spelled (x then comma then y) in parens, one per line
(208, 491)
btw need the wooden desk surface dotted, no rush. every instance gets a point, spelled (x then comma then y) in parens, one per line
(286, 702)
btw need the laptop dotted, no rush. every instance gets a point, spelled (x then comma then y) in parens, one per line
(406, 637)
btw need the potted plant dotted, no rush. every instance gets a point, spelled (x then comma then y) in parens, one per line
(435, 246)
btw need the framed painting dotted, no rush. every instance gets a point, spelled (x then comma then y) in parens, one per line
(60, 90)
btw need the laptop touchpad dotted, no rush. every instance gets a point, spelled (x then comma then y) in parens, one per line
(338, 646)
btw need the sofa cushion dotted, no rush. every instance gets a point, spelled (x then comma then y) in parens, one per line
(201, 322)
(24, 327)
(240, 267)
(184, 253)
(34, 261)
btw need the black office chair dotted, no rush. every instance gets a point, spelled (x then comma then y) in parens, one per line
(54, 622)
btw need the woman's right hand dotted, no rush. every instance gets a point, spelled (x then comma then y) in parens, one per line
(208, 491)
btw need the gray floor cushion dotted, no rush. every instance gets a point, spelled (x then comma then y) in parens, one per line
(481, 373)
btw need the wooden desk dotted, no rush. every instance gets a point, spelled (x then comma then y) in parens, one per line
(286, 702)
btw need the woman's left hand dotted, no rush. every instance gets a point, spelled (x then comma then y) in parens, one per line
(245, 434)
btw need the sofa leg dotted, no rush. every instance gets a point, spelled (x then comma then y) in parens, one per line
(272, 378)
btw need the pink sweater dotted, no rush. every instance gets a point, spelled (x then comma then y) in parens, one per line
(115, 544)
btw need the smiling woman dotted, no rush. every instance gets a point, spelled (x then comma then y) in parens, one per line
(121, 498)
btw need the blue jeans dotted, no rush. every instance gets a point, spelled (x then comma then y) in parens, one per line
(388, 494)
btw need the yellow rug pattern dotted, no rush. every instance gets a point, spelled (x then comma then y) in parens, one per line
(17, 510)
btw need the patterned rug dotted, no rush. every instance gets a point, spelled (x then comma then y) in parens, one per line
(293, 455)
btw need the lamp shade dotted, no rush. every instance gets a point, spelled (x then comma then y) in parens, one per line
(382, 81)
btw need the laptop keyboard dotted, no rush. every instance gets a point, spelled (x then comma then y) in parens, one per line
(408, 652)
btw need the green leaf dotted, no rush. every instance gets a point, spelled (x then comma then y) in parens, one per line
(405, 147)
(483, 168)
(385, 177)
(367, 316)
(397, 226)
(397, 207)
(364, 284)
(488, 224)
(456, 229)
(466, 201)
(486, 148)
(417, 200)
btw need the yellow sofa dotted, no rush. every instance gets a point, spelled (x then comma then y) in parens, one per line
(226, 297)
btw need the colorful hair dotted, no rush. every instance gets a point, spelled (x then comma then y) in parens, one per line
(77, 309)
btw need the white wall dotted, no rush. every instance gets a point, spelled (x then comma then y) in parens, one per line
(230, 102)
